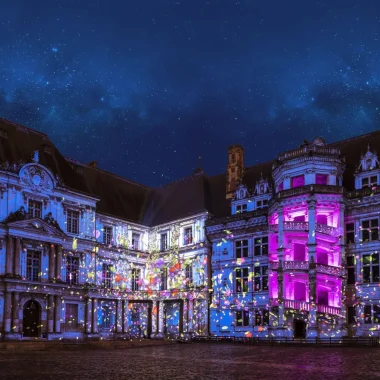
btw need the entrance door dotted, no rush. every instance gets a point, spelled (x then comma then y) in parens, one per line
(149, 324)
(299, 329)
(31, 319)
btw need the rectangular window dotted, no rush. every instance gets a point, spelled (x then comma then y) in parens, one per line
(72, 270)
(107, 235)
(370, 230)
(242, 318)
(241, 249)
(73, 222)
(376, 313)
(135, 279)
(261, 204)
(242, 280)
(351, 277)
(189, 274)
(34, 209)
(351, 315)
(261, 278)
(369, 181)
(350, 233)
(367, 314)
(371, 314)
(188, 236)
(164, 279)
(371, 268)
(106, 316)
(107, 275)
(135, 241)
(260, 246)
(261, 317)
(298, 181)
(321, 179)
(71, 316)
(241, 208)
(33, 265)
(164, 242)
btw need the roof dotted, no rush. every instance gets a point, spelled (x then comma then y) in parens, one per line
(137, 203)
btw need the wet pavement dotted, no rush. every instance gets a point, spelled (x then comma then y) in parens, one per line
(194, 361)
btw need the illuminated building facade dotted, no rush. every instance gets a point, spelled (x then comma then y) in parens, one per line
(287, 248)
(298, 256)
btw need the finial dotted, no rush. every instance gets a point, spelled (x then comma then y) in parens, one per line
(35, 157)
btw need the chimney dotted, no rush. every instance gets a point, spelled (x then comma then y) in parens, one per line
(235, 169)
(93, 164)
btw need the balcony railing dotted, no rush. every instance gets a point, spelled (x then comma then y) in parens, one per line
(297, 305)
(329, 309)
(273, 265)
(305, 151)
(296, 226)
(327, 269)
(323, 189)
(296, 265)
(325, 229)
(273, 227)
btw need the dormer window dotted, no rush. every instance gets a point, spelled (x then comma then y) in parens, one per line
(241, 208)
(369, 181)
(298, 181)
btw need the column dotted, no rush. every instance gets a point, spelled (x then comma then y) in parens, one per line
(57, 314)
(17, 262)
(187, 314)
(88, 316)
(312, 328)
(280, 295)
(125, 316)
(58, 262)
(9, 256)
(94, 315)
(180, 326)
(190, 325)
(50, 313)
(161, 317)
(280, 248)
(52, 262)
(119, 316)
(7, 312)
(15, 312)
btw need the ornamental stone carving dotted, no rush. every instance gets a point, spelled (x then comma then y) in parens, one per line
(36, 177)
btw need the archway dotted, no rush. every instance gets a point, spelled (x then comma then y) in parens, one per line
(299, 329)
(31, 319)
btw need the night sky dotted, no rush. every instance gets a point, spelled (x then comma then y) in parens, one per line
(145, 87)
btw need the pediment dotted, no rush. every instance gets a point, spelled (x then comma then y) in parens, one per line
(37, 225)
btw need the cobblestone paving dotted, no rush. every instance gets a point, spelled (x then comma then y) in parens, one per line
(194, 361)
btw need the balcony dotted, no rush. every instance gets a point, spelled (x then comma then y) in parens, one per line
(327, 269)
(297, 305)
(325, 229)
(296, 226)
(296, 265)
(308, 189)
(329, 309)
(306, 265)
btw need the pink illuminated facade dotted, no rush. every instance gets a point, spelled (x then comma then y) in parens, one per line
(299, 256)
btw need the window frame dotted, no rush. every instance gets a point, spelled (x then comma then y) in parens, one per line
(189, 274)
(373, 231)
(242, 280)
(72, 220)
(34, 208)
(107, 235)
(351, 269)
(135, 246)
(371, 265)
(188, 240)
(242, 248)
(348, 232)
(243, 317)
(242, 208)
(33, 272)
(261, 317)
(69, 269)
(263, 278)
(164, 279)
(260, 245)
(107, 275)
(71, 323)
(135, 278)
(164, 241)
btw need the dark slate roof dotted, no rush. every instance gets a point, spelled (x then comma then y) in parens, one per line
(134, 202)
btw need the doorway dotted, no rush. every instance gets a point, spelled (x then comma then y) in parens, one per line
(299, 329)
(31, 319)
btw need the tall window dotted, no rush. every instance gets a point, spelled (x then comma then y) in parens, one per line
(107, 275)
(73, 222)
(189, 274)
(241, 208)
(261, 317)
(372, 314)
(298, 181)
(242, 318)
(34, 209)
(72, 270)
(351, 277)
(369, 181)
(371, 268)
(164, 279)
(107, 235)
(370, 229)
(261, 246)
(188, 236)
(106, 316)
(164, 242)
(350, 233)
(135, 278)
(241, 248)
(321, 179)
(351, 314)
(71, 316)
(261, 278)
(33, 265)
(135, 241)
(242, 280)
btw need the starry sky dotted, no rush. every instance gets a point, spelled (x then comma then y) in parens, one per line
(146, 87)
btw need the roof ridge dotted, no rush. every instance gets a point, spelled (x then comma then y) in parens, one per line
(24, 127)
(107, 172)
(355, 137)
(179, 180)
